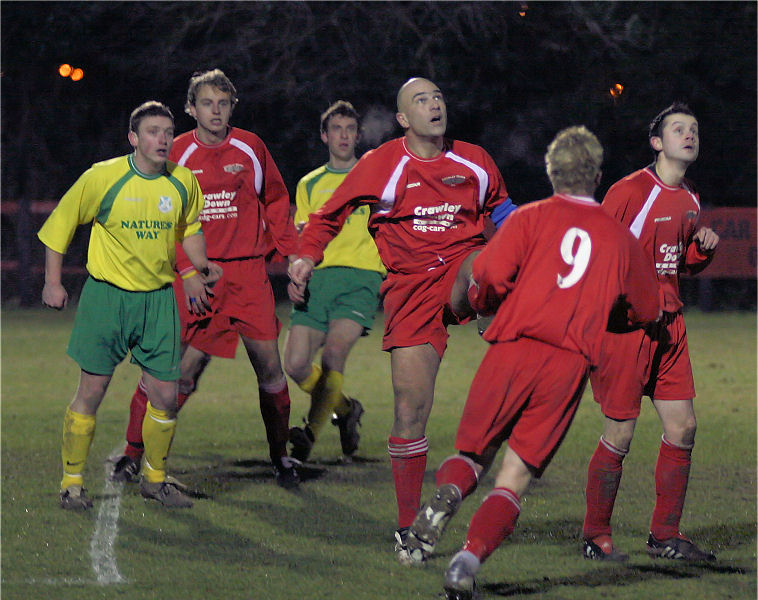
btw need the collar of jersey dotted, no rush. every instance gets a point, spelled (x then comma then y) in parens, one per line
(417, 157)
(133, 167)
(582, 199)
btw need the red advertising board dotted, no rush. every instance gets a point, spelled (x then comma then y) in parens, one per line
(736, 252)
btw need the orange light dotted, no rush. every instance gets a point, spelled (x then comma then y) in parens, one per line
(65, 70)
(616, 90)
(77, 74)
(523, 9)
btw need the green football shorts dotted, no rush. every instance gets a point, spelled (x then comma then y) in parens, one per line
(111, 322)
(339, 293)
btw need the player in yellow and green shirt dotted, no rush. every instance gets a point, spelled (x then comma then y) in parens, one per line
(342, 295)
(139, 205)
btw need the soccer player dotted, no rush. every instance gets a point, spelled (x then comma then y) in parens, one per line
(245, 202)
(140, 206)
(660, 207)
(553, 275)
(429, 198)
(342, 294)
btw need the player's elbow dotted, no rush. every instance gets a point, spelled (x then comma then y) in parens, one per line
(648, 314)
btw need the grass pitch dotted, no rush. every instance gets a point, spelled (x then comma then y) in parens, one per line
(332, 539)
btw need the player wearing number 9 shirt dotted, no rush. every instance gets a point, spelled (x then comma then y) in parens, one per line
(551, 274)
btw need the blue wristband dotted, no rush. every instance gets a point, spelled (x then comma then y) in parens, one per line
(502, 211)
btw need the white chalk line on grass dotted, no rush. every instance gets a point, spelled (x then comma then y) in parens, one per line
(103, 541)
(54, 581)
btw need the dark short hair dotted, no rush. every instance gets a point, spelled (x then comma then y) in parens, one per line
(341, 107)
(654, 130)
(213, 77)
(151, 108)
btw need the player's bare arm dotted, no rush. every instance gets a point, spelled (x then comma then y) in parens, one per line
(193, 289)
(300, 271)
(208, 274)
(706, 239)
(54, 295)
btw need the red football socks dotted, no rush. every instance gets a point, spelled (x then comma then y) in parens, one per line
(672, 473)
(135, 448)
(408, 458)
(492, 522)
(460, 471)
(603, 478)
(275, 410)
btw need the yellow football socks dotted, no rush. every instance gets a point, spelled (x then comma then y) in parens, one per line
(158, 430)
(78, 433)
(309, 383)
(344, 403)
(325, 398)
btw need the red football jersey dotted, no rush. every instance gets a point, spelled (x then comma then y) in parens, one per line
(554, 271)
(424, 212)
(663, 218)
(245, 197)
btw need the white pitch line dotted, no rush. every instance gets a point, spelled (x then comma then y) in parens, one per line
(54, 581)
(106, 532)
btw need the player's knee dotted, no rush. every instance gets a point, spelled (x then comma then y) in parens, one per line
(333, 358)
(619, 433)
(187, 385)
(682, 433)
(91, 393)
(410, 417)
(690, 427)
(298, 372)
(164, 398)
(623, 441)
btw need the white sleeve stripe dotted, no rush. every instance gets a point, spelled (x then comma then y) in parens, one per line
(484, 178)
(256, 163)
(187, 153)
(639, 220)
(390, 192)
(694, 199)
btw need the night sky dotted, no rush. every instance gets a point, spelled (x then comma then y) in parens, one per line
(514, 73)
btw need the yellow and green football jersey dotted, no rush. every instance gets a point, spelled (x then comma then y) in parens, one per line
(136, 221)
(353, 246)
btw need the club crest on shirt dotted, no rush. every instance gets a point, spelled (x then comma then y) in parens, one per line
(233, 168)
(164, 204)
(453, 180)
(691, 215)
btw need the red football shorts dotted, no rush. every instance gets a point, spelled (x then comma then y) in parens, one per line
(526, 392)
(654, 362)
(243, 304)
(417, 307)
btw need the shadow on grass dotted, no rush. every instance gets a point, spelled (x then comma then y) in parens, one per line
(343, 460)
(626, 575)
(641, 569)
(215, 477)
(220, 481)
(717, 538)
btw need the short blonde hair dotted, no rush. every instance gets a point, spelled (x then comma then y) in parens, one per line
(573, 160)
